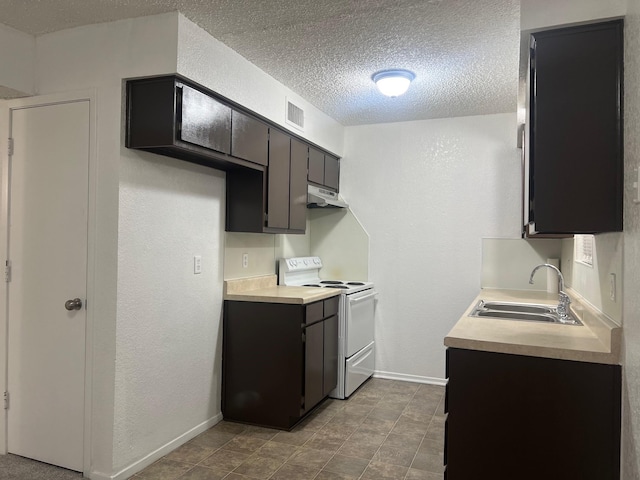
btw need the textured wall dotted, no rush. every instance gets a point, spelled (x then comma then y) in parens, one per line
(593, 282)
(214, 65)
(631, 321)
(18, 59)
(169, 353)
(508, 262)
(138, 258)
(427, 192)
(544, 13)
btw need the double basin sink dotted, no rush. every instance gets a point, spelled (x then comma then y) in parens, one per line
(527, 312)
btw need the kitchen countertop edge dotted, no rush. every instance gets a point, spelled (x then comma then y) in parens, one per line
(265, 289)
(597, 341)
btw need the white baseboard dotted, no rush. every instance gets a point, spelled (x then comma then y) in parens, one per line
(159, 453)
(404, 377)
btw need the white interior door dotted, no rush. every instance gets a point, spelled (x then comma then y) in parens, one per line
(48, 206)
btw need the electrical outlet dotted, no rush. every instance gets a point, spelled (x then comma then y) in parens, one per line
(197, 264)
(612, 287)
(245, 260)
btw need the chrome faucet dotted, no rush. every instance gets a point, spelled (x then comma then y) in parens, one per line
(563, 299)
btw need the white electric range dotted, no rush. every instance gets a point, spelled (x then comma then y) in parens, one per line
(356, 346)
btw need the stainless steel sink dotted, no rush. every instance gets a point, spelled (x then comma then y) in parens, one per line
(518, 307)
(527, 312)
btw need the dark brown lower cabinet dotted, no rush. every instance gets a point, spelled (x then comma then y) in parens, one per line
(279, 360)
(528, 418)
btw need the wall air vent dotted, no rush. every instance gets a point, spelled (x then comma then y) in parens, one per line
(295, 116)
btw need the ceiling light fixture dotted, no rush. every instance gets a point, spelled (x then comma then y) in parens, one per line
(393, 83)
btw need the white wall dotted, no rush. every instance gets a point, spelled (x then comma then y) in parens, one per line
(338, 238)
(544, 13)
(209, 62)
(17, 57)
(99, 57)
(631, 282)
(169, 348)
(592, 282)
(427, 192)
(508, 262)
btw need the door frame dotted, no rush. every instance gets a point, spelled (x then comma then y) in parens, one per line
(6, 107)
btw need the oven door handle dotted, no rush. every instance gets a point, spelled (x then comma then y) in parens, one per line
(366, 297)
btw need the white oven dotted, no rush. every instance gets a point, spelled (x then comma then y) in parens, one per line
(356, 346)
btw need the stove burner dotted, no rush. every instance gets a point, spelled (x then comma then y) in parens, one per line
(331, 282)
(336, 286)
(311, 285)
(355, 283)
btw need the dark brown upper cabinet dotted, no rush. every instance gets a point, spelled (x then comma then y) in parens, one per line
(324, 170)
(203, 120)
(273, 201)
(266, 167)
(574, 161)
(249, 138)
(172, 117)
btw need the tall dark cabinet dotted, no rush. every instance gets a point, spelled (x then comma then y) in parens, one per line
(575, 166)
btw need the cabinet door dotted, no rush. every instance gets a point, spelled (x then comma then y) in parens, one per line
(314, 365)
(575, 151)
(249, 138)
(298, 186)
(330, 380)
(204, 121)
(316, 166)
(278, 186)
(560, 418)
(331, 172)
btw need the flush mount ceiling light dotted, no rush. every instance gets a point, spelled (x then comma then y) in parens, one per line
(393, 83)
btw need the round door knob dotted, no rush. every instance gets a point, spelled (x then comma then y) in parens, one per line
(75, 304)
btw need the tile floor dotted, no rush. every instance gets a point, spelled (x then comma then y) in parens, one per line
(386, 430)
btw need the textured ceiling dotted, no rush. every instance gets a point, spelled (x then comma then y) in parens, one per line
(464, 52)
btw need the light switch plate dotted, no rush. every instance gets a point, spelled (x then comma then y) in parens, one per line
(197, 264)
(245, 260)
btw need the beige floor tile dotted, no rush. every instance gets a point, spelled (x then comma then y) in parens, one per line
(432, 446)
(383, 413)
(229, 427)
(394, 456)
(244, 444)
(260, 432)
(281, 451)
(346, 465)
(407, 426)
(384, 471)
(294, 472)
(212, 439)
(165, 470)
(414, 474)
(225, 459)
(311, 457)
(296, 438)
(326, 475)
(190, 453)
(429, 462)
(204, 473)
(260, 467)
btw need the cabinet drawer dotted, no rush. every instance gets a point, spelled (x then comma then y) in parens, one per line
(331, 306)
(314, 312)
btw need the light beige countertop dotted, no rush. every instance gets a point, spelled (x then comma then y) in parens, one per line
(266, 289)
(597, 340)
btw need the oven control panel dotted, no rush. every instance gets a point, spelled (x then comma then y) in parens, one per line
(300, 264)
